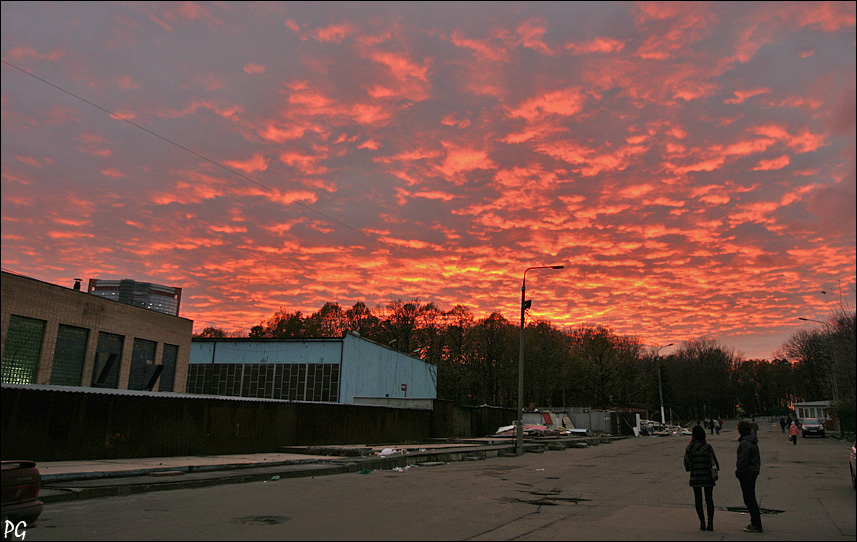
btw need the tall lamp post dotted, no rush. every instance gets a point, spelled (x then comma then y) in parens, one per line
(660, 388)
(519, 433)
(829, 356)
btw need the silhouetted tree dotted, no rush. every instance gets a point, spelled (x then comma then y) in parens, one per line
(211, 333)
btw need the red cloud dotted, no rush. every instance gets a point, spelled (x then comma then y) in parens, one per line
(742, 95)
(254, 68)
(482, 49)
(334, 33)
(560, 102)
(776, 163)
(597, 45)
(251, 165)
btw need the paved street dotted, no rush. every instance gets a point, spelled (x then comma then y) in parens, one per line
(631, 489)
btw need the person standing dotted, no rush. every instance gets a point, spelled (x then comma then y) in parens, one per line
(747, 470)
(717, 425)
(754, 426)
(782, 424)
(793, 433)
(699, 457)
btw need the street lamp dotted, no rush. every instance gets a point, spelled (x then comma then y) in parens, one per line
(660, 388)
(811, 320)
(833, 369)
(519, 441)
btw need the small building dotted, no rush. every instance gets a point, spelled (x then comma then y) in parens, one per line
(823, 410)
(349, 370)
(52, 335)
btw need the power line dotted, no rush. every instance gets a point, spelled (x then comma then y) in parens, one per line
(215, 163)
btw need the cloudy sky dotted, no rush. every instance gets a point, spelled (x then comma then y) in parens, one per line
(691, 165)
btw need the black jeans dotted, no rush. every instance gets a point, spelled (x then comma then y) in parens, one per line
(748, 489)
(709, 502)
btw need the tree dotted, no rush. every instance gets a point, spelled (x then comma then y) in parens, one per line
(699, 378)
(360, 319)
(282, 325)
(211, 333)
(329, 321)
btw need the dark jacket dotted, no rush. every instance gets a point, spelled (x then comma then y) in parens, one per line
(749, 462)
(698, 458)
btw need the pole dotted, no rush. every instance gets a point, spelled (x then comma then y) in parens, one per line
(519, 430)
(660, 387)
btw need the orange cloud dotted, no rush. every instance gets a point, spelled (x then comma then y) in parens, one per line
(564, 102)
(25, 52)
(334, 33)
(459, 159)
(482, 49)
(530, 34)
(254, 68)
(742, 95)
(112, 172)
(256, 163)
(597, 45)
(775, 163)
(805, 141)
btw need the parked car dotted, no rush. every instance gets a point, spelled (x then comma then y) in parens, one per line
(812, 426)
(853, 466)
(20, 483)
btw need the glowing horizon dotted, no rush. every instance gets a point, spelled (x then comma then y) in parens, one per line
(691, 165)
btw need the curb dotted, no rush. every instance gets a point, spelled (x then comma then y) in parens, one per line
(91, 485)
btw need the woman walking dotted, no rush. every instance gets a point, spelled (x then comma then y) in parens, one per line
(699, 459)
(793, 433)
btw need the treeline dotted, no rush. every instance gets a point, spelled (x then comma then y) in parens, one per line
(477, 361)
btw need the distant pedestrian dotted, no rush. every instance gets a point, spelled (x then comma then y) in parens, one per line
(754, 426)
(699, 459)
(717, 425)
(783, 424)
(711, 425)
(747, 470)
(793, 433)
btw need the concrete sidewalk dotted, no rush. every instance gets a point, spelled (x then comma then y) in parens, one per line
(72, 480)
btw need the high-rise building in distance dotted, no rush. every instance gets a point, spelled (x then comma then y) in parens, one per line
(156, 297)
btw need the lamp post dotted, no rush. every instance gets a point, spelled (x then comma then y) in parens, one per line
(832, 361)
(519, 433)
(660, 388)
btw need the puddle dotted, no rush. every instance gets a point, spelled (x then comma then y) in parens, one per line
(744, 510)
(261, 520)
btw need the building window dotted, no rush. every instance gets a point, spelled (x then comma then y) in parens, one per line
(291, 381)
(168, 376)
(107, 358)
(70, 351)
(143, 369)
(23, 350)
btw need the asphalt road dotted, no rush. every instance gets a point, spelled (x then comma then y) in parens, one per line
(631, 489)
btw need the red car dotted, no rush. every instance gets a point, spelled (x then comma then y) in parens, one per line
(20, 483)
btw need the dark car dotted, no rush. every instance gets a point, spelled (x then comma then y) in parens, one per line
(20, 483)
(812, 426)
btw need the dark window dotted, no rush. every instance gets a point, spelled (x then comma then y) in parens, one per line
(142, 365)
(108, 354)
(67, 368)
(168, 376)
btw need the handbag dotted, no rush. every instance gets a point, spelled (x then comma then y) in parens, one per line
(714, 472)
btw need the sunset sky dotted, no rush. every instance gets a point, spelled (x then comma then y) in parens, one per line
(691, 165)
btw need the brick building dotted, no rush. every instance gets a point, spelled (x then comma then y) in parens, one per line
(63, 336)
